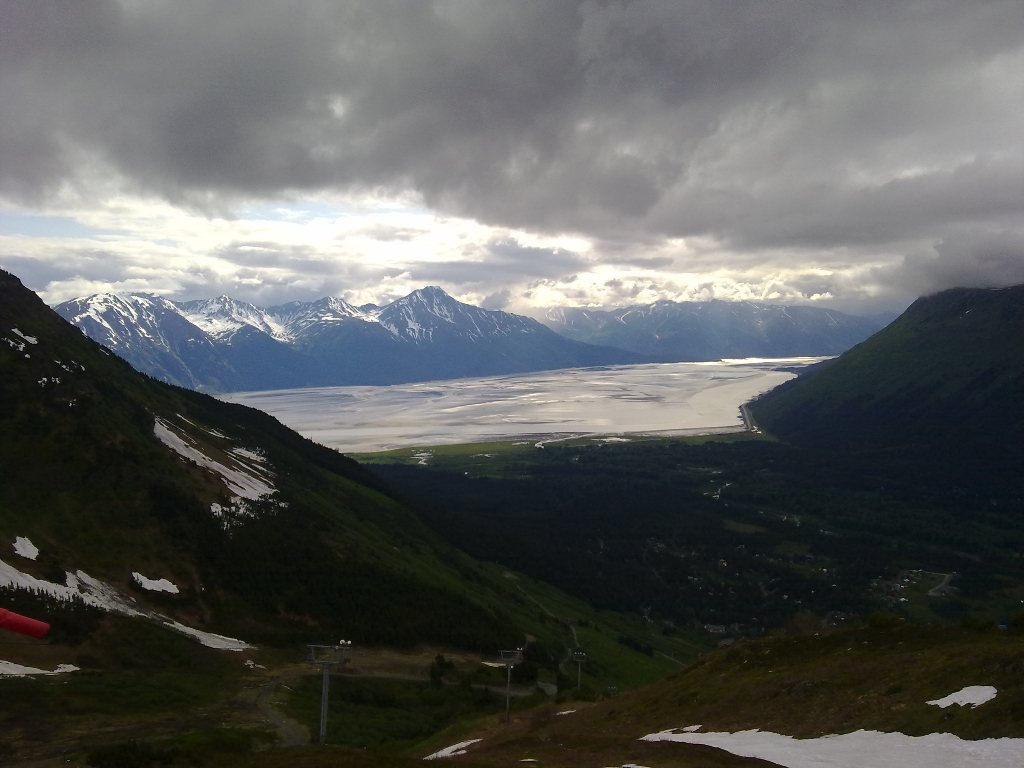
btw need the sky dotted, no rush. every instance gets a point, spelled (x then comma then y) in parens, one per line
(519, 154)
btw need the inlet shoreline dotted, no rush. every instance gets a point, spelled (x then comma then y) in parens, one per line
(620, 402)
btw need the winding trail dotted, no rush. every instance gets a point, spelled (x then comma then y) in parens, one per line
(289, 731)
(941, 588)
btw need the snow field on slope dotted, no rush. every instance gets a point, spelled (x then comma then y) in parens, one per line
(860, 749)
(24, 547)
(25, 336)
(79, 585)
(247, 485)
(453, 750)
(155, 585)
(94, 592)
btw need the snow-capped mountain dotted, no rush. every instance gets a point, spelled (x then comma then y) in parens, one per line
(711, 330)
(223, 317)
(116, 319)
(429, 315)
(296, 318)
(223, 344)
(149, 332)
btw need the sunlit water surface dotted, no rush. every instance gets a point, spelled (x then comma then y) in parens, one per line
(657, 398)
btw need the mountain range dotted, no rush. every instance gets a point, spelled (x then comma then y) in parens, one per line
(670, 331)
(226, 345)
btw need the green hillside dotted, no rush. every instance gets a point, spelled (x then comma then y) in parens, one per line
(948, 373)
(804, 686)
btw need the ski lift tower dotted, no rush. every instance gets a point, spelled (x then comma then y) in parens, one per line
(509, 659)
(580, 658)
(327, 656)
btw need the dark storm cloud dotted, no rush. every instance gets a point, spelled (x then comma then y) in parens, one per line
(503, 260)
(761, 125)
(497, 300)
(970, 259)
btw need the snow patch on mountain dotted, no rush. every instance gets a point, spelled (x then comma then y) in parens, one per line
(26, 337)
(209, 639)
(155, 585)
(453, 750)
(244, 481)
(24, 547)
(79, 585)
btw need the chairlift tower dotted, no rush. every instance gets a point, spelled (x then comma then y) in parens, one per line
(327, 656)
(509, 659)
(580, 658)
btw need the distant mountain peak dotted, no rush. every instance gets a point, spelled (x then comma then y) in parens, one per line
(431, 290)
(223, 317)
(714, 329)
(431, 295)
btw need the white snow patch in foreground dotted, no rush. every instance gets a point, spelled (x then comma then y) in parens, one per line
(245, 484)
(26, 548)
(94, 592)
(453, 750)
(972, 694)
(10, 669)
(565, 712)
(26, 337)
(155, 585)
(860, 749)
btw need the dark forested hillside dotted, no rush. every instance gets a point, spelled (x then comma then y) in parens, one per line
(747, 532)
(948, 374)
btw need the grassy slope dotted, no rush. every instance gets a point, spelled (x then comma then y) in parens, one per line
(802, 686)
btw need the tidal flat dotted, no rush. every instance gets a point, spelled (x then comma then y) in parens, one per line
(666, 399)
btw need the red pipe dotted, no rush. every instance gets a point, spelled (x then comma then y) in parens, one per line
(23, 624)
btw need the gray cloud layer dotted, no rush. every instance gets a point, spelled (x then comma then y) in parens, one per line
(784, 132)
